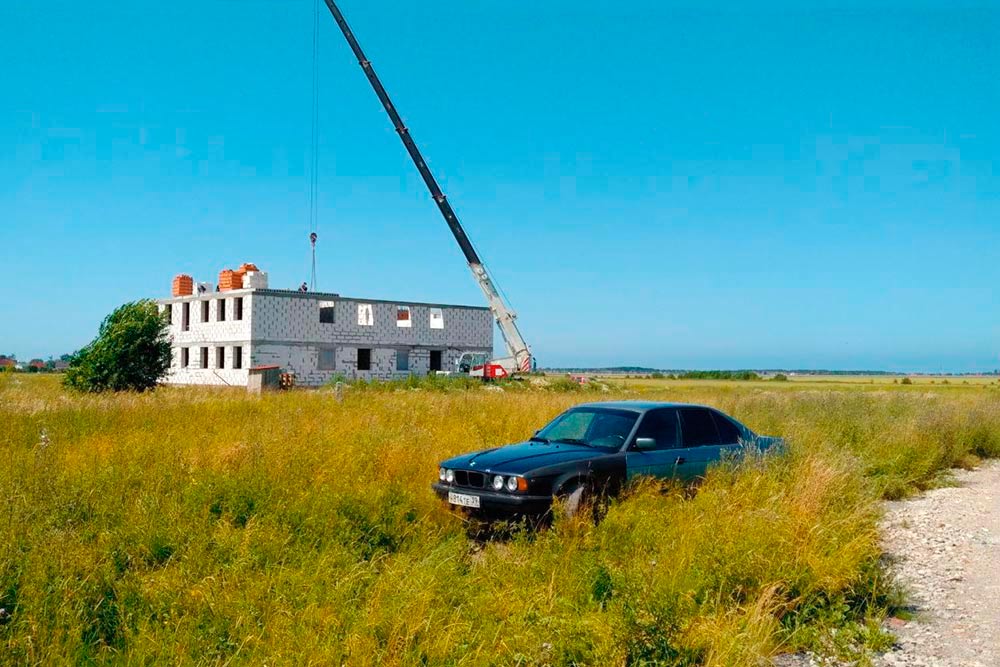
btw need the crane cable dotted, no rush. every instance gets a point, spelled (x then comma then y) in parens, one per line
(314, 148)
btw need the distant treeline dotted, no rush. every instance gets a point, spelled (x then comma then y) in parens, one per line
(717, 375)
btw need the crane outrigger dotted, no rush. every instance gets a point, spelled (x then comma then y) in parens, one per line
(519, 354)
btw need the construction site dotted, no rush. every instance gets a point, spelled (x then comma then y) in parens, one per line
(224, 333)
(221, 333)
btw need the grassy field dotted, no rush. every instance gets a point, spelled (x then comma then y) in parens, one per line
(799, 382)
(206, 526)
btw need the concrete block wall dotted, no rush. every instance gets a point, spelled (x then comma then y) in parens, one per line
(287, 331)
(295, 317)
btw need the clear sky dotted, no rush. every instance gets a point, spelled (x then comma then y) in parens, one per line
(805, 185)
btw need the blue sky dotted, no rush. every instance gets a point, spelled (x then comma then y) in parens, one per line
(805, 185)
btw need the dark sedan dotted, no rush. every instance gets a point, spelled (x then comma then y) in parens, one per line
(595, 448)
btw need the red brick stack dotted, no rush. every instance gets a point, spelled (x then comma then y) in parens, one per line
(183, 285)
(229, 279)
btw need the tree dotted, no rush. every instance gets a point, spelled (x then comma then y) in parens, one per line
(131, 352)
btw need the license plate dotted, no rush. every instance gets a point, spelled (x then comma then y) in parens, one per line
(463, 499)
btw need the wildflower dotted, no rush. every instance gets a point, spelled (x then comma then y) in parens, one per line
(43, 439)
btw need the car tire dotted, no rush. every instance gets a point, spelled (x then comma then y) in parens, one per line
(575, 500)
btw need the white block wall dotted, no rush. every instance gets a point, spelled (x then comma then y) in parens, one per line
(227, 334)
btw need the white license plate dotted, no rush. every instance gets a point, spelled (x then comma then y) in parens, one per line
(463, 499)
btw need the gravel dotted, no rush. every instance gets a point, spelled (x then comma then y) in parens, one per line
(944, 547)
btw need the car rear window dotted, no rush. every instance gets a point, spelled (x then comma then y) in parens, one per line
(698, 427)
(728, 431)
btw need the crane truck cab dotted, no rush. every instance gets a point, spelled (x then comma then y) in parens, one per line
(477, 364)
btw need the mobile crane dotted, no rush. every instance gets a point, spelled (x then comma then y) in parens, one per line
(518, 359)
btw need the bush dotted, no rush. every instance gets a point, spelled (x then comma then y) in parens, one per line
(131, 352)
(780, 377)
(906, 381)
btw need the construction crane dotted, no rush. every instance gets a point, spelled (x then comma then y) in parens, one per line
(519, 355)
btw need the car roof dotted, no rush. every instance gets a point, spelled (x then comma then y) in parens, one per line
(638, 406)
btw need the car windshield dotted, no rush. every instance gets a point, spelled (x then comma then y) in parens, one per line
(594, 427)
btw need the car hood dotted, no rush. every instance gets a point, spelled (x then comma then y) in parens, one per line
(523, 457)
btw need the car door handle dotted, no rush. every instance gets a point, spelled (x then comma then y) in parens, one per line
(679, 461)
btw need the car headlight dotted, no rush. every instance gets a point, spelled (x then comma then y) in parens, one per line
(512, 484)
(449, 476)
(441, 473)
(497, 482)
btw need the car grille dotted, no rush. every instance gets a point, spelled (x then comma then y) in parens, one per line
(470, 479)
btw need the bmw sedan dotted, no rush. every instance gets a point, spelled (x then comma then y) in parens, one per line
(594, 449)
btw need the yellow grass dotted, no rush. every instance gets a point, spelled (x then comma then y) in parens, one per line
(205, 526)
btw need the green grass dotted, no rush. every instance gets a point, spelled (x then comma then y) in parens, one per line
(205, 526)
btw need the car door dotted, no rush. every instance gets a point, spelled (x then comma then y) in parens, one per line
(662, 459)
(701, 441)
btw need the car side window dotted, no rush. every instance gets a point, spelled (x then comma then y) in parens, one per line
(698, 427)
(606, 430)
(728, 431)
(661, 426)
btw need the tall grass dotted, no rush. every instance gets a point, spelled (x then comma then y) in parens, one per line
(198, 525)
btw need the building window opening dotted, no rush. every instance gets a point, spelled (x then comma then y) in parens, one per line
(221, 310)
(402, 360)
(327, 359)
(186, 316)
(169, 313)
(403, 317)
(364, 359)
(437, 318)
(237, 356)
(204, 311)
(238, 308)
(436, 360)
(366, 317)
(220, 357)
(185, 357)
(204, 357)
(326, 312)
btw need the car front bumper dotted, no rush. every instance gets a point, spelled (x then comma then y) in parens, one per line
(494, 502)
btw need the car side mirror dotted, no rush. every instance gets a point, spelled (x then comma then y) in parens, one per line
(645, 443)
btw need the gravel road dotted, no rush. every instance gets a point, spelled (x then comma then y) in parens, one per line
(945, 550)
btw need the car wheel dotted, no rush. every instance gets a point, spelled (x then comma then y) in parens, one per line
(575, 500)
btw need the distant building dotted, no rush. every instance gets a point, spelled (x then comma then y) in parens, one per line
(8, 362)
(217, 336)
(36, 363)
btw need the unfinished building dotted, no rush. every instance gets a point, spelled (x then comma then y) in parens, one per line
(218, 333)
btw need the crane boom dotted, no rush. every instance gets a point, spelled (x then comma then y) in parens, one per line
(520, 355)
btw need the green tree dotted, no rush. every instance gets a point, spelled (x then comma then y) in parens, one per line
(131, 352)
